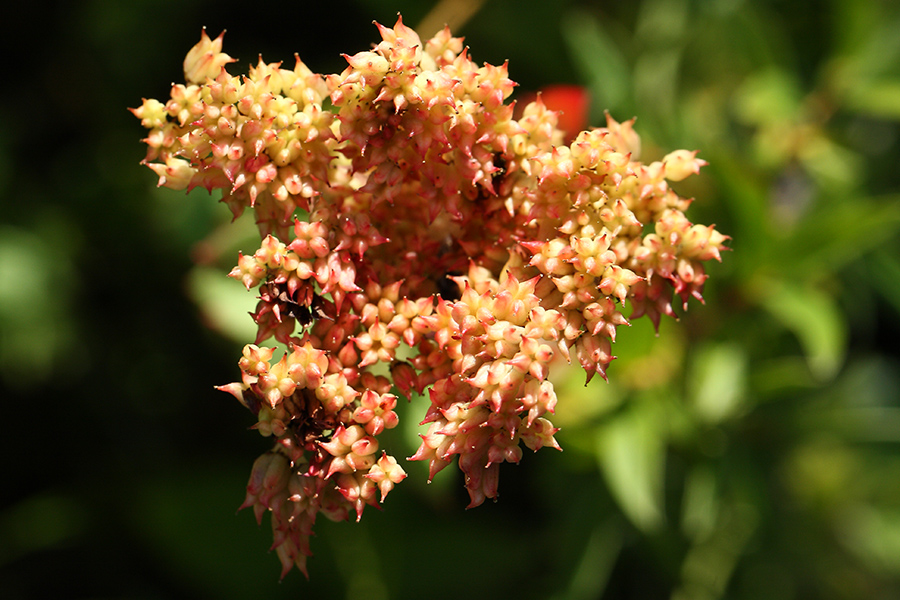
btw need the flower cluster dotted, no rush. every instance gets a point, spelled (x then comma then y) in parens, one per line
(417, 235)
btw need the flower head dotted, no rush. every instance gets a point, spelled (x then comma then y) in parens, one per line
(418, 228)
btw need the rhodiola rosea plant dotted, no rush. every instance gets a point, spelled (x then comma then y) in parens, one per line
(417, 235)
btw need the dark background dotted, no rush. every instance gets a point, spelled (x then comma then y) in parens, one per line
(751, 450)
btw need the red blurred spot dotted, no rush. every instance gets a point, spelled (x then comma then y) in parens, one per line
(571, 101)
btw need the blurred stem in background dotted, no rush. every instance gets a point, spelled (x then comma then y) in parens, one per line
(451, 13)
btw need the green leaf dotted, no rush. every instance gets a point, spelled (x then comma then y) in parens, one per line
(631, 453)
(39, 523)
(880, 99)
(746, 198)
(832, 236)
(717, 382)
(592, 572)
(597, 56)
(224, 303)
(874, 535)
(662, 22)
(581, 404)
(656, 84)
(816, 321)
(879, 53)
(884, 271)
(829, 163)
(709, 564)
(768, 97)
(700, 506)
(854, 22)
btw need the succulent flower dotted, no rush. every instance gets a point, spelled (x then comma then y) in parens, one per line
(409, 218)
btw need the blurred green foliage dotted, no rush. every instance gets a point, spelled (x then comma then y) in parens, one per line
(751, 450)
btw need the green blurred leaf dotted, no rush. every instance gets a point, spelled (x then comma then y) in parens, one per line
(662, 22)
(875, 98)
(864, 73)
(768, 97)
(591, 574)
(660, 29)
(776, 375)
(821, 472)
(709, 564)
(38, 523)
(581, 405)
(816, 321)
(717, 381)
(861, 406)
(746, 197)
(884, 270)
(874, 536)
(188, 525)
(700, 507)
(224, 303)
(37, 289)
(656, 85)
(832, 236)
(631, 453)
(599, 59)
(829, 163)
(878, 55)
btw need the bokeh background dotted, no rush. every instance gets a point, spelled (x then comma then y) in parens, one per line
(751, 450)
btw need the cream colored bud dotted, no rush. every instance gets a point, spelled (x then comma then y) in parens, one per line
(205, 60)
(682, 164)
(175, 174)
